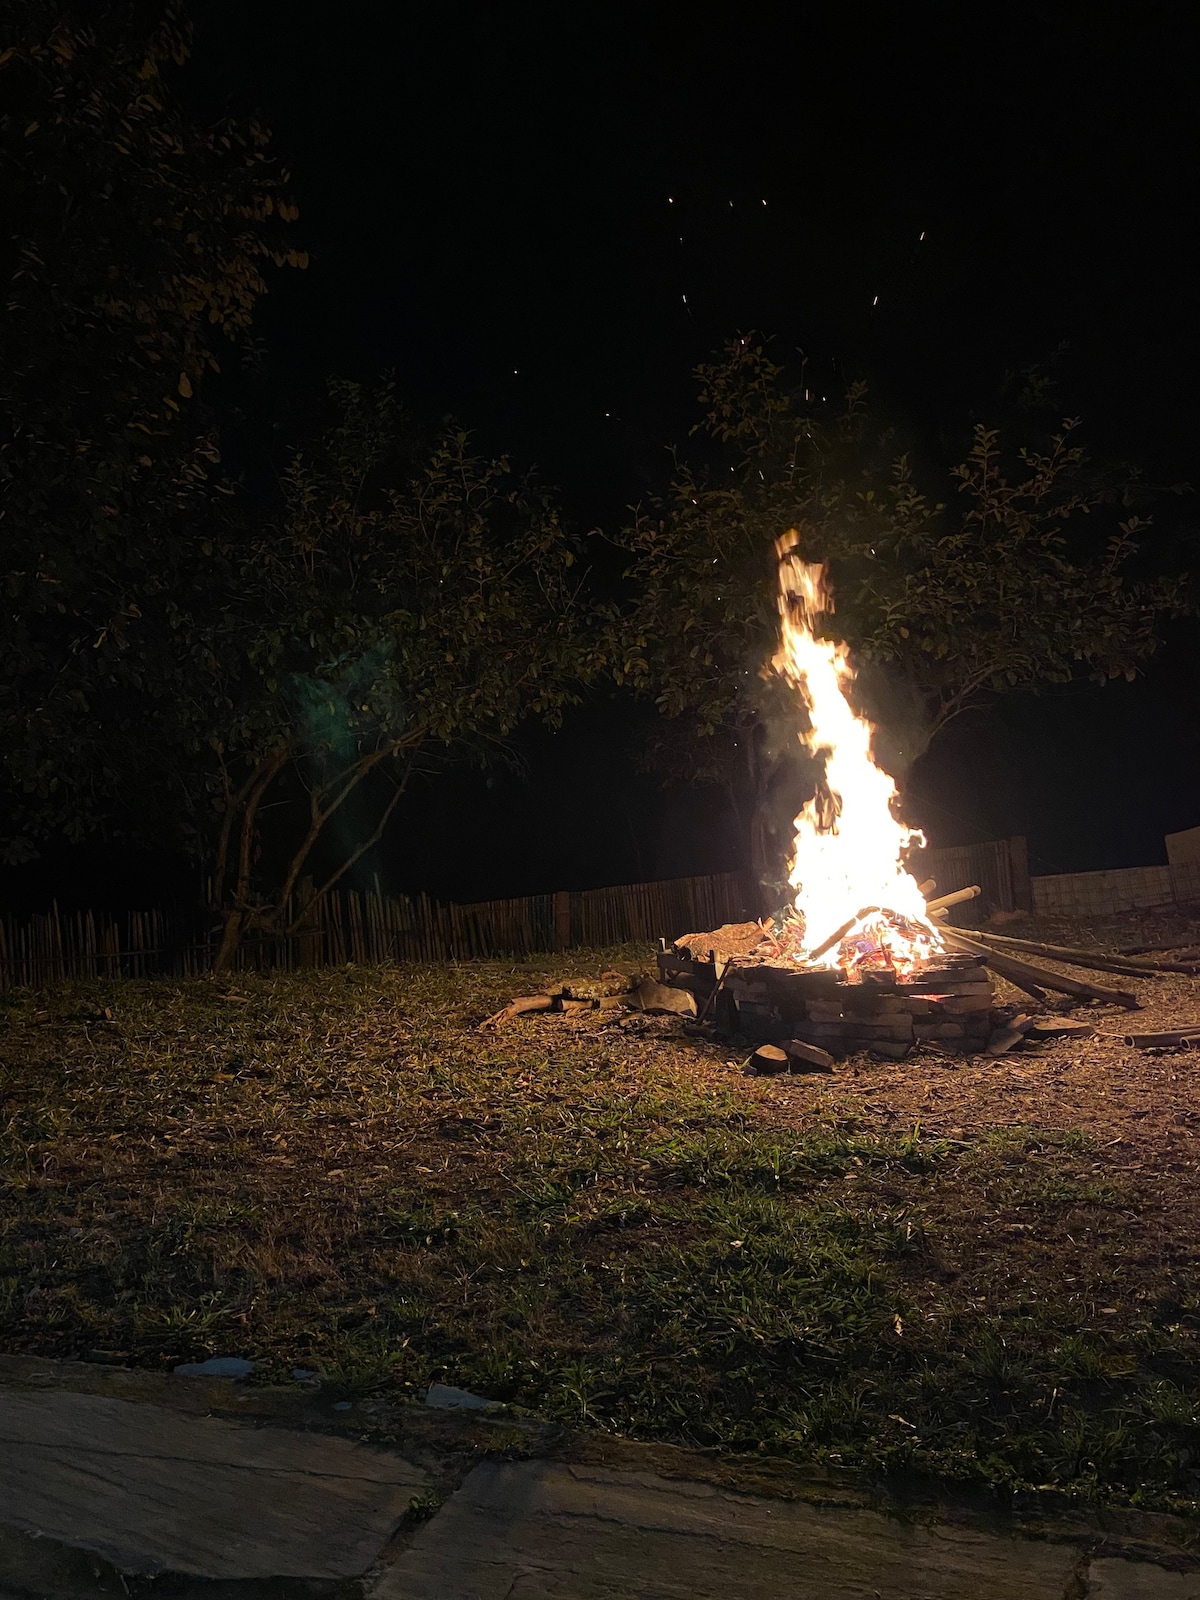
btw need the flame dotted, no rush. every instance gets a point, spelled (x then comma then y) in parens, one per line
(849, 850)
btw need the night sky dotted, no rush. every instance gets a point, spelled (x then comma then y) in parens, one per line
(542, 218)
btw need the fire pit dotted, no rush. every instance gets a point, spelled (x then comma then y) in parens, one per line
(946, 999)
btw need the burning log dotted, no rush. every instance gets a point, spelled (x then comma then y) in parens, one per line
(1023, 973)
(839, 934)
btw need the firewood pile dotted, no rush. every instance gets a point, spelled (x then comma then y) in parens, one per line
(765, 999)
(614, 998)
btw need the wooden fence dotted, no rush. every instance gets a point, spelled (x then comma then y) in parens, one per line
(1000, 867)
(366, 928)
(372, 927)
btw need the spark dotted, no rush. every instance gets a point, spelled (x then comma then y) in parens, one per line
(875, 302)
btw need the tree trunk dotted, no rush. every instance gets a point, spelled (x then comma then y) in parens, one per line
(231, 936)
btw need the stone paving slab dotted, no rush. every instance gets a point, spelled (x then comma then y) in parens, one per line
(151, 1490)
(543, 1530)
(1111, 1579)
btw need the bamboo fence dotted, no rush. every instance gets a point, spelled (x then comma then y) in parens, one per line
(368, 927)
(364, 927)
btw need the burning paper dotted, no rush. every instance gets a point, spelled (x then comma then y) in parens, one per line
(859, 908)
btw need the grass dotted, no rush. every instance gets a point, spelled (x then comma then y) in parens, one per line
(339, 1171)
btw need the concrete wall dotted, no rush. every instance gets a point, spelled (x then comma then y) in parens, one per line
(1183, 849)
(1098, 894)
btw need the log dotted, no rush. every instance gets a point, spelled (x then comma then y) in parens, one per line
(890, 1052)
(1009, 1035)
(1060, 1028)
(809, 1056)
(769, 1058)
(945, 901)
(927, 887)
(1080, 958)
(726, 970)
(1024, 973)
(840, 933)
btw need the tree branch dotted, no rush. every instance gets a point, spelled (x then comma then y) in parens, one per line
(367, 844)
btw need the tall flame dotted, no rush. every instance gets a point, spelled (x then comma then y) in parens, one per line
(849, 846)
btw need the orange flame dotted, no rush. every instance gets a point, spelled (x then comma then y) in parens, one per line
(849, 849)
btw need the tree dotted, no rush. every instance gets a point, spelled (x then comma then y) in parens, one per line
(134, 250)
(411, 604)
(1022, 576)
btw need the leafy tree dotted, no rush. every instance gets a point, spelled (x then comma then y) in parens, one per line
(1022, 576)
(409, 607)
(133, 248)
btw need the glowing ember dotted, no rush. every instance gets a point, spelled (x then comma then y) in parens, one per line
(856, 906)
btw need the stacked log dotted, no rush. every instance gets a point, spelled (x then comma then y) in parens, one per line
(949, 1005)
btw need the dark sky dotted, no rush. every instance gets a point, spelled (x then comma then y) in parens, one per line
(487, 193)
(542, 217)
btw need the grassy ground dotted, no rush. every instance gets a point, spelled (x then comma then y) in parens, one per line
(981, 1270)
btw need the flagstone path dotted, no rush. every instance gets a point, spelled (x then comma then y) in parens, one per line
(121, 1485)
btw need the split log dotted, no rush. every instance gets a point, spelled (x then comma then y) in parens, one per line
(726, 969)
(945, 901)
(809, 1056)
(890, 1052)
(1009, 1035)
(1060, 1028)
(663, 1000)
(1023, 973)
(939, 1030)
(1081, 958)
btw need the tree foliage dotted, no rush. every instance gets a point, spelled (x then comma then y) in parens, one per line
(410, 606)
(133, 249)
(1023, 575)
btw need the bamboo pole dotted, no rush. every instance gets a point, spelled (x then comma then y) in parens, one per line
(945, 901)
(1087, 958)
(1174, 1036)
(1023, 972)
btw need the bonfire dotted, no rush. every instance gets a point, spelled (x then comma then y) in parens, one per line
(856, 906)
